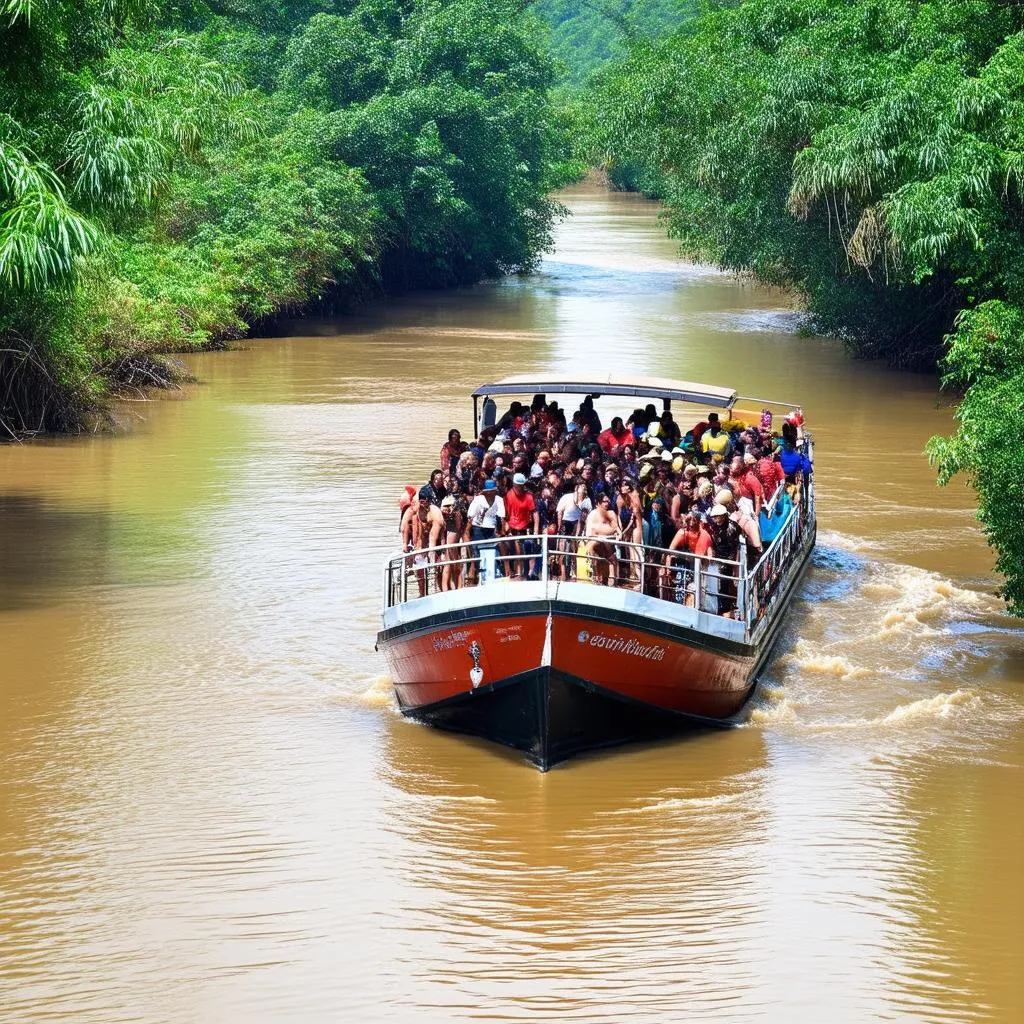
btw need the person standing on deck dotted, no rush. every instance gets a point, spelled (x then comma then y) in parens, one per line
(694, 539)
(573, 508)
(668, 430)
(486, 518)
(435, 489)
(616, 434)
(411, 532)
(601, 527)
(725, 543)
(454, 527)
(714, 440)
(768, 471)
(795, 464)
(523, 519)
(422, 527)
(744, 483)
(451, 451)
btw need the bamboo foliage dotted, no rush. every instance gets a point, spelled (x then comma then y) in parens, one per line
(170, 173)
(41, 236)
(16, 10)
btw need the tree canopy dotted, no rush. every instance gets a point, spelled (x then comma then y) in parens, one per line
(587, 33)
(171, 173)
(868, 154)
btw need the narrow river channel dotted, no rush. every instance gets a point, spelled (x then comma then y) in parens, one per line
(211, 812)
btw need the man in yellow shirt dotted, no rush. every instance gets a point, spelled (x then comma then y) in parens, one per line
(714, 440)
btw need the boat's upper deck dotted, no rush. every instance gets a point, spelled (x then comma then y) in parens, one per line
(685, 506)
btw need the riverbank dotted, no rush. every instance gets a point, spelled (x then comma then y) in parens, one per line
(883, 183)
(203, 173)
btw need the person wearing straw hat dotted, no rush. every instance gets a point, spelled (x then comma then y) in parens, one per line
(739, 513)
(703, 501)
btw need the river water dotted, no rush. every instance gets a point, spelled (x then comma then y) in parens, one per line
(211, 812)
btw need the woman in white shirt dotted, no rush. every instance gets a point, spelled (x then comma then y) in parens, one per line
(572, 511)
(486, 515)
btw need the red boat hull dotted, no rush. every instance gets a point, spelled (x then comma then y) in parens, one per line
(554, 679)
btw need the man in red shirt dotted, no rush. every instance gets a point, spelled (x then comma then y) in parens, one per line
(523, 518)
(744, 483)
(616, 434)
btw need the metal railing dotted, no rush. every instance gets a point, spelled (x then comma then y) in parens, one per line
(716, 585)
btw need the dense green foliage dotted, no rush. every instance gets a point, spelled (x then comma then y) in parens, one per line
(171, 173)
(871, 155)
(587, 33)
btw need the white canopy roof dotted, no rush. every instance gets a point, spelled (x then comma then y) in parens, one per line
(612, 384)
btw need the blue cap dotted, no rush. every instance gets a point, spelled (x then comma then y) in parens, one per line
(490, 485)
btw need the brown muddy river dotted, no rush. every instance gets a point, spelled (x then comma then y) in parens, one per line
(211, 812)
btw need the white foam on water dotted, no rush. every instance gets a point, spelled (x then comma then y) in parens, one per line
(895, 628)
(846, 542)
(807, 659)
(686, 803)
(941, 706)
(378, 694)
(924, 601)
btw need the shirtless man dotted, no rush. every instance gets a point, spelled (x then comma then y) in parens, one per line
(412, 542)
(602, 525)
(422, 530)
(454, 528)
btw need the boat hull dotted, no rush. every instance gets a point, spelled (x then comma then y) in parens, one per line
(552, 715)
(553, 678)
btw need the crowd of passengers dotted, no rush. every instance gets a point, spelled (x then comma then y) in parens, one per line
(616, 491)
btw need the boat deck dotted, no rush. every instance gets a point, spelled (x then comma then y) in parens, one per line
(716, 597)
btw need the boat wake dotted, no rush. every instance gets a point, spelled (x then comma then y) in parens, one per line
(884, 646)
(963, 703)
(378, 694)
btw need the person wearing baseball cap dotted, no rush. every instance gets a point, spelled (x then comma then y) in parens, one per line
(486, 516)
(523, 519)
(725, 543)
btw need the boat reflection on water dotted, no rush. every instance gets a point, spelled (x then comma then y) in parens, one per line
(537, 880)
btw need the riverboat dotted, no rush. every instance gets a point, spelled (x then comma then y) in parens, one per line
(561, 665)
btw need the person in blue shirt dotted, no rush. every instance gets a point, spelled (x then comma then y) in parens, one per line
(795, 464)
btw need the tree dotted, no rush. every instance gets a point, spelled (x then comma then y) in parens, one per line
(868, 155)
